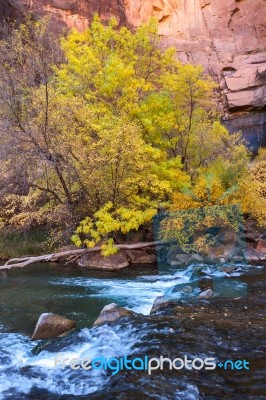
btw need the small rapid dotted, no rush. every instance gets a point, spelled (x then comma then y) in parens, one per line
(21, 371)
(27, 374)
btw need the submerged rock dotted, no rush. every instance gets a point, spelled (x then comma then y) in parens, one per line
(187, 289)
(57, 344)
(51, 325)
(111, 313)
(226, 269)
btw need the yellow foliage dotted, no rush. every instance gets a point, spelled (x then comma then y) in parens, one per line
(109, 221)
(116, 129)
(249, 192)
(252, 193)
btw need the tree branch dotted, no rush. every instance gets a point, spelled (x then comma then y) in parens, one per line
(23, 262)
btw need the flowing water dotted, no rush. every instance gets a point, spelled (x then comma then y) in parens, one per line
(229, 326)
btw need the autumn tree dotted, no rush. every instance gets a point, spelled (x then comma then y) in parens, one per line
(27, 59)
(122, 80)
(107, 128)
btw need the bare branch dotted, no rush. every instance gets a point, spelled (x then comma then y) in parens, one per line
(23, 262)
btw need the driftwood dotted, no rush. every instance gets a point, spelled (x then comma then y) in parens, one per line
(23, 262)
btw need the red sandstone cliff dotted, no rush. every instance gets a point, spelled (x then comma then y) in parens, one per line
(227, 36)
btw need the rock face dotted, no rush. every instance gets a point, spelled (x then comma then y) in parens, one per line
(227, 37)
(76, 13)
(251, 123)
(111, 313)
(5, 10)
(51, 325)
(10, 10)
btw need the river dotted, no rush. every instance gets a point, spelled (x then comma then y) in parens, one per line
(222, 328)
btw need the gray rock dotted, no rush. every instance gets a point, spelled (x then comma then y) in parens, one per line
(187, 289)
(196, 258)
(253, 255)
(141, 257)
(222, 260)
(181, 259)
(51, 325)
(172, 252)
(112, 312)
(238, 259)
(160, 302)
(261, 246)
(97, 261)
(228, 270)
(207, 294)
(208, 260)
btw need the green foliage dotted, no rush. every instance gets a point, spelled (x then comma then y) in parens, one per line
(18, 244)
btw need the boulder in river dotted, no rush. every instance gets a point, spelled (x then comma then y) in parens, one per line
(261, 246)
(172, 252)
(254, 255)
(228, 269)
(162, 302)
(97, 261)
(181, 260)
(51, 325)
(207, 294)
(112, 312)
(141, 257)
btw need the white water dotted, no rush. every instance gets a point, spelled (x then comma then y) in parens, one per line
(20, 371)
(137, 294)
(16, 355)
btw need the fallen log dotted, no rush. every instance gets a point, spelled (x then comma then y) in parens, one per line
(23, 262)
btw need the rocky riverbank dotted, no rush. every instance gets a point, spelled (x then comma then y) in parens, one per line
(172, 254)
(227, 247)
